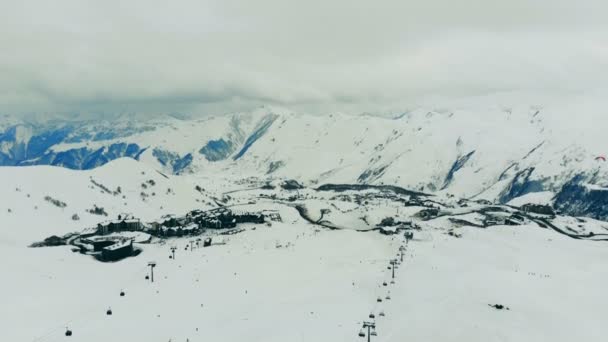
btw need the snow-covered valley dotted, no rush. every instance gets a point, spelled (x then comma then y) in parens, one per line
(317, 273)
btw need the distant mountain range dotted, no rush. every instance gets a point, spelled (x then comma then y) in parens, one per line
(499, 154)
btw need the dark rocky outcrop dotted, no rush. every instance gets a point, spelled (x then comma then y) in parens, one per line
(521, 184)
(291, 184)
(458, 164)
(216, 150)
(51, 241)
(577, 199)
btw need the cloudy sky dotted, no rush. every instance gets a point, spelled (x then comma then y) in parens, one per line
(111, 56)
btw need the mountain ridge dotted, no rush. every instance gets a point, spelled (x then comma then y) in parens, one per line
(498, 155)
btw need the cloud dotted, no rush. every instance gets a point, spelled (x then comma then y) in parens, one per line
(189, 56)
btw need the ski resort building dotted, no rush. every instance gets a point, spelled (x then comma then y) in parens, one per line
(122, 224)
(538, 209)
(117, 251)
(191, 229)
(99, 245)
(226, 218)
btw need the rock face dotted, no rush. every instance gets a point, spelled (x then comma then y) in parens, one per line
(85, 158)
(458, 164)
(291, 184)
(520, 185)
(29, 144)
(579, 199)
(257, 133)
(174, 161)
(216, 150)
(51, 241)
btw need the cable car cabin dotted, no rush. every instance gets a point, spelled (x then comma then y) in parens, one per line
(68, 332)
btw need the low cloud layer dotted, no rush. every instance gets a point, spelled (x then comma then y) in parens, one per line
(108, 57)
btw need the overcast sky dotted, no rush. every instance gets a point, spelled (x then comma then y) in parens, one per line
(318, 55)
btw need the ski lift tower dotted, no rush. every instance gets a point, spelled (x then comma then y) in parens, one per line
(408, 236)
(394, 265)
(152, 264)
(371, 330)
(401, 251)
(173, 251)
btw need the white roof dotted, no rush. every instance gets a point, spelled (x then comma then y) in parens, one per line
(192, 226)
(118, 245)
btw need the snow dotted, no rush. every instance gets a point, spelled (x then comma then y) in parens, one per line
(24, 189)
(543, 197)
(192, 226)
(448, 283)
(595, 187)
(582, 225)
(297, 281)
(118, 245)
(303, 290)
(473, 218)
(264, 300)
(135, 236)
(416, 150)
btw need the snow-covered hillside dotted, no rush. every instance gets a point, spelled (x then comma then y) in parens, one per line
(507, 215)
(315, 274)
(39, 201)
(497, 154)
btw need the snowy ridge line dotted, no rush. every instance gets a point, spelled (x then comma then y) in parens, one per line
(427, 151)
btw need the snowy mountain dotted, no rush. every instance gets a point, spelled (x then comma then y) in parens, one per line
(339, 196)
(497, 154)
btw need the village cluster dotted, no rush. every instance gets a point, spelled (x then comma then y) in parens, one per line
(113, 240)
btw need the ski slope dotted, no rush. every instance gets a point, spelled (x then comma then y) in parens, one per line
(284, 281)
(318, 285)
